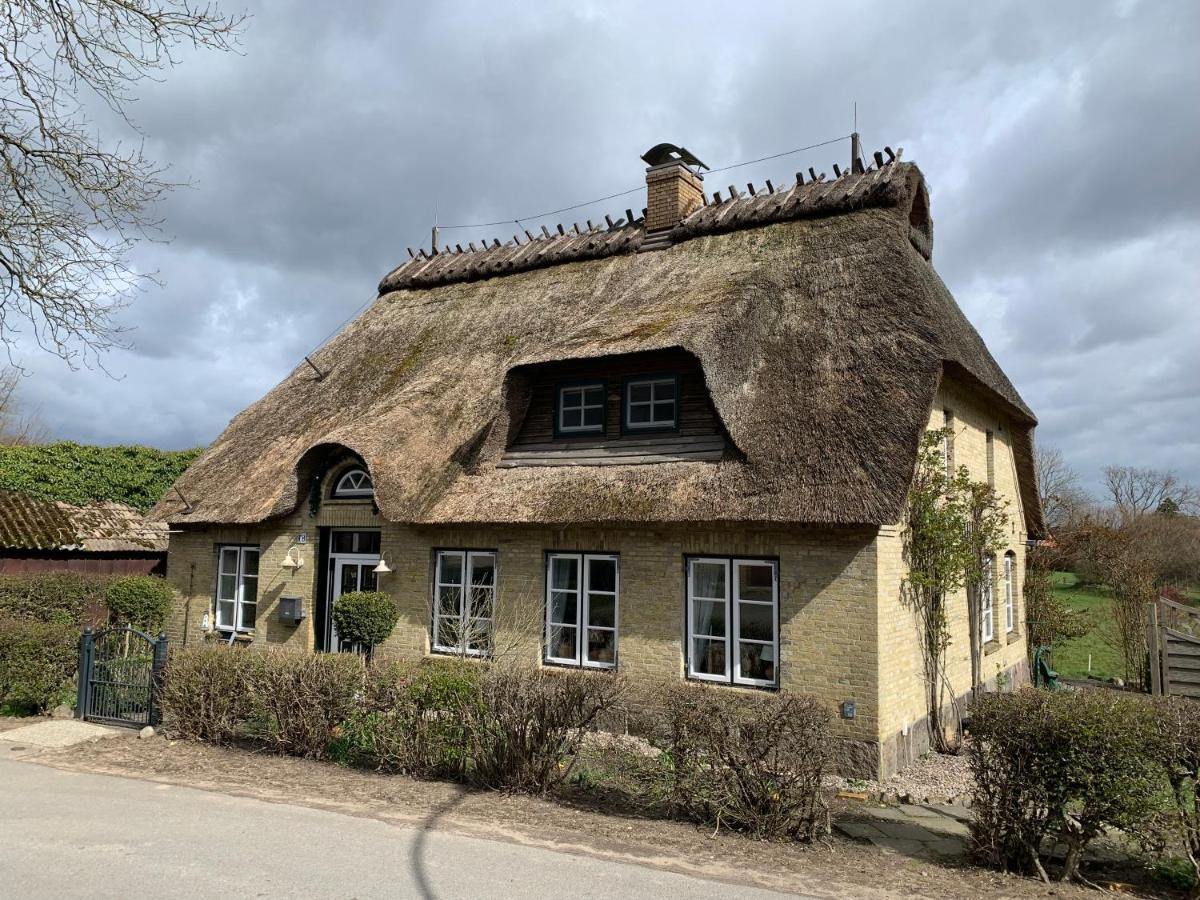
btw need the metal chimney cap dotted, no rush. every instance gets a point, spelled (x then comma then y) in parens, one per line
(661, 154)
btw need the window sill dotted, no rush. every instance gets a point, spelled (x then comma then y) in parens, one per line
(1014, 636)
(991, 647)
(239, 637)
(737, 686)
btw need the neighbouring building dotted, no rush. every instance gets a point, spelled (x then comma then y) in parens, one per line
(675, 445)
(100, 538)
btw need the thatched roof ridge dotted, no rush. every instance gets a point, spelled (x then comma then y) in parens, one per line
(104, 526)
(886, 185)
(822, 337)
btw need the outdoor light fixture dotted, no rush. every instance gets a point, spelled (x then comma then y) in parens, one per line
(293, 560)
(382, 568)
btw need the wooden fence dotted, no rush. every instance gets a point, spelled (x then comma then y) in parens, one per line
(1174, 640)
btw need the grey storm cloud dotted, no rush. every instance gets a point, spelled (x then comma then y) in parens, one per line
(1057, 139)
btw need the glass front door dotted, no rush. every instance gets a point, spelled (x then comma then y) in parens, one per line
(352, 560)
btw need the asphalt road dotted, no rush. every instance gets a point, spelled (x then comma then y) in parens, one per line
(68, 834)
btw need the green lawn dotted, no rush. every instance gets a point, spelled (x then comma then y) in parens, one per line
(1071, 659)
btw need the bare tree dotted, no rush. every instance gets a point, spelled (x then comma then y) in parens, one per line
(1058, 486)
(1136, 492)
(17, 426)
(72, 207)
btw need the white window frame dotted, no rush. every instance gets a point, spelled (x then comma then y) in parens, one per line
(1010, 605)
(626, 413)
(732, 603)
(466, 557)
(987, 626)
(239, 552)
(583, 406)
(948, 442)
(583, 591)
(365, 486)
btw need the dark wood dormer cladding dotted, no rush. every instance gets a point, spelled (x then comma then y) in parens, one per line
(696, 436)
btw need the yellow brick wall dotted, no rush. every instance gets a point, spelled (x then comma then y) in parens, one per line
(672, 194)
(900, 655)
(827, 590)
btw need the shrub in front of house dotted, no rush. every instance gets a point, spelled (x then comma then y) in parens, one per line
(142, 601)
(305, 697)
(525, 728)
(60, 597)
(366, 618)
(751, 762)
(37, 662)
(1059, 764)
(413, 720)
(208, 693)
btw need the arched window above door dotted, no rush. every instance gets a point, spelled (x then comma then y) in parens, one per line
(354, 483)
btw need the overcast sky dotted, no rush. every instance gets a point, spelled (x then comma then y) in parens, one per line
(1060, 140)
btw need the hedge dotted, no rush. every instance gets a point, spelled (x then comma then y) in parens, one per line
(142, 601)
(65, 598)
(37, 662)
(80, 473)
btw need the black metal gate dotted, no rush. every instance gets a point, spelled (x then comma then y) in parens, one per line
(120, 670)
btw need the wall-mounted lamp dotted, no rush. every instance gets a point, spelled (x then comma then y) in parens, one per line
(382, 568)
(293, 560)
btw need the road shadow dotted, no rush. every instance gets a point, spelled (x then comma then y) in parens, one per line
(417, 861)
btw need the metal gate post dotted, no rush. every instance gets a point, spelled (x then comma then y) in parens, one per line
(85, 673)
(157, 671)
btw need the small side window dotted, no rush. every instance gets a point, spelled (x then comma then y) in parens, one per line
(651, 403)
(581, 409)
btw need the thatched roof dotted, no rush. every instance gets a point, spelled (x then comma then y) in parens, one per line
(30, 523)
(821, 326)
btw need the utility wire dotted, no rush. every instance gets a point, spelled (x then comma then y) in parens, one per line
(640, 187)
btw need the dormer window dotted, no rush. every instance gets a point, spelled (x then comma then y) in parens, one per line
(354, 483)
(650, 403)
(581, 408)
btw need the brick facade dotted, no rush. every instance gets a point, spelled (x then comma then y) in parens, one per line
(673, 192)
(845, 634)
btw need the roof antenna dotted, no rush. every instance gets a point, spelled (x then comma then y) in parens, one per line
(435, 228)
(855, 145)
(320, 374)
(187, 507)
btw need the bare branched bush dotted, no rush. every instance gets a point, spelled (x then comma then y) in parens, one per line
(208, 693)
(306, 697)
(751, 763)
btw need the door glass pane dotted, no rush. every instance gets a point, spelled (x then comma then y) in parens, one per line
(250, 562)
(449, 631)
(367, 579)
(708, 580)
(249, 614)
(451, 566)
(229, 561)
(227, 587)
(602, 610)
(481, 602)
(564, 608)
(564, 573)
(348, 581)
(562, 642)
(601, 646)
(757, 661)
(708, 656)
(479, 637)
(708, 617)
(602, 575)
(448, 599)
(756, 582)
(224, 613)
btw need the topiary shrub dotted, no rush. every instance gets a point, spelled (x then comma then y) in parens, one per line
(1177, 750)
(208, 693)
(751, 762)
(142, 601)
(1062, 764)
(37, 661)
(365, 618)
(59, 597)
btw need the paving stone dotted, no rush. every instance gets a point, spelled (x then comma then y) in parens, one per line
(945, 827)
(902, 845)
(921, 812)
(947, 848)
(906, 831)
(858, 829)
(954, 811)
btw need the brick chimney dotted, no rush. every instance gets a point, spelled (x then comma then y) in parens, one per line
(674, 185)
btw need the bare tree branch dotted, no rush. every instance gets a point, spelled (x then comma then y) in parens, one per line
(1136, 492)
(17, 426)
(71, 207)
(1058, 485)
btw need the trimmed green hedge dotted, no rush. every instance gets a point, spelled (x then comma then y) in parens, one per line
(37, 660)
(63, 598)
(365, 617)
(142, 601)
(79, 473)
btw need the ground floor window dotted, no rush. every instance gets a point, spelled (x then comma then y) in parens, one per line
(464, 601)
(1010, 602)
(237, 588)
(988, 627)
(581, 609)
(733, 620)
